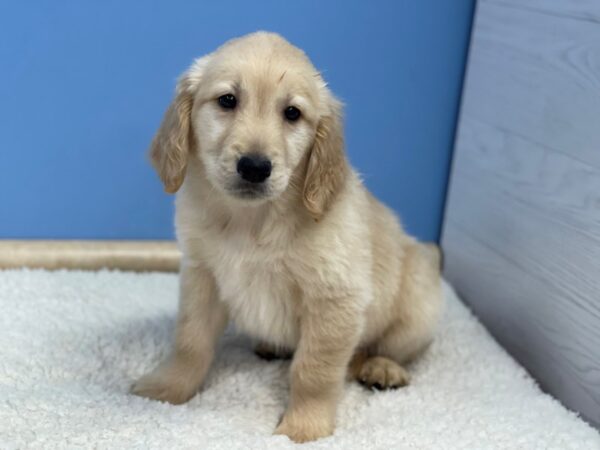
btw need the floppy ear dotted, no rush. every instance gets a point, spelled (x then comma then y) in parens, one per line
(175, 138)
(327, 167)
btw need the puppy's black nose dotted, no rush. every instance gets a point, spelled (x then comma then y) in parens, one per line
(254, 168)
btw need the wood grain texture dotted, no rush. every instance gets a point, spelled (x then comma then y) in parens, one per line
(537, 76)
(522, 229)
(587, 10)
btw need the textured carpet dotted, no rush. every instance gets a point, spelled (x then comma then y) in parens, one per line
(71, 343)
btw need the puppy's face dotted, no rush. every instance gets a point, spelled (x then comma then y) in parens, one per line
(251, 112)
(255, 116)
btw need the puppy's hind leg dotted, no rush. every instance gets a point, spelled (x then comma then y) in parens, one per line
(418, 308)
(380, 365)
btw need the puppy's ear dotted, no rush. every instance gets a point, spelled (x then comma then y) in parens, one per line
(174, 139)
(327, 167)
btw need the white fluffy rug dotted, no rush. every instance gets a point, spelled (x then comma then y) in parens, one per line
(71, 343)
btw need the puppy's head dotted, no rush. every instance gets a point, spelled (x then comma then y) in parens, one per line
(256, 113)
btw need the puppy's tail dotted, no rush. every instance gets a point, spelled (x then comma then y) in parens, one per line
(434, 254)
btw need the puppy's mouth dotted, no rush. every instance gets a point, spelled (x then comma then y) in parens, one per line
(249, 191)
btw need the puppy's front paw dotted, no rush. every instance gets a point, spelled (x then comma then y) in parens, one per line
(166, 384)
(303, 429)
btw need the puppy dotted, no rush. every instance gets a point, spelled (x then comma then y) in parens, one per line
(279, 235)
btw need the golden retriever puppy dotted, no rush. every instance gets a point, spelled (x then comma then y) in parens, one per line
(279, 235)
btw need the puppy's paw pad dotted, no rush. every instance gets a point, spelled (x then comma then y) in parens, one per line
(382, 373)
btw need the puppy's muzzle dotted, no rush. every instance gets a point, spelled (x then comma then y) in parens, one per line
(254, 168)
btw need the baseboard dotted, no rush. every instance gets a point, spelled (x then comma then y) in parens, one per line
(90, 255)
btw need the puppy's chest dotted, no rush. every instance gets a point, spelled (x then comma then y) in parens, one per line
(258, 288)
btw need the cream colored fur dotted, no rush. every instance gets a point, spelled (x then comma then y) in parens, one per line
(315, 265)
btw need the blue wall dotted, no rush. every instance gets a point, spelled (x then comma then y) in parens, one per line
(83, 86)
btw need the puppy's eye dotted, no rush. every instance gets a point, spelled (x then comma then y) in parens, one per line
(227, 101)
(291, 113)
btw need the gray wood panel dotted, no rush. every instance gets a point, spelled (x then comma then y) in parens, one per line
(522, 226)
(526, 64)
(577, 9)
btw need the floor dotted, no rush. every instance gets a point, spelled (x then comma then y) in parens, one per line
(73, 342)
